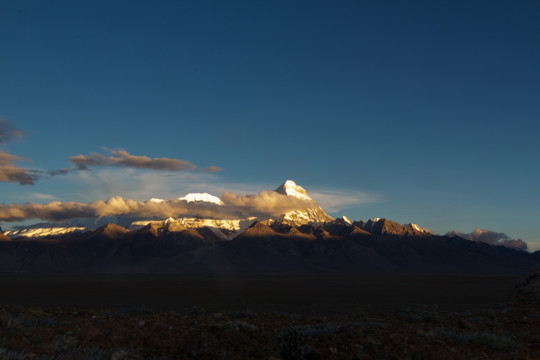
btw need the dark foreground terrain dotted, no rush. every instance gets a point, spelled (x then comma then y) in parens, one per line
(266, 317)
(321, 294)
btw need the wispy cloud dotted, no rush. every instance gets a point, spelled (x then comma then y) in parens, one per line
(121, 158)
(57, 172)
(40, 196)
(9, 171)
(138, 184)
(212, 169)
(492, 238)
(334, 200)
(7, 132)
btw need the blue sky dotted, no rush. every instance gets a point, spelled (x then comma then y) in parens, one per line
(421, 111)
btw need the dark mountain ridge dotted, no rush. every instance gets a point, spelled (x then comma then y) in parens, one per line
(336, 246)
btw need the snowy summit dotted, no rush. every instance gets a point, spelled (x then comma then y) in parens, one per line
(202, 197)
(290, 188)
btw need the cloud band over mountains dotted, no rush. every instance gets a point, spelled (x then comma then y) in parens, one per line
(121, 158)
(264, 204)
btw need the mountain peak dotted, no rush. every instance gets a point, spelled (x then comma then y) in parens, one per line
(311, 214)
(111, 230)
(290, 188)
(258, 229)
(202, 197)
(388, 227)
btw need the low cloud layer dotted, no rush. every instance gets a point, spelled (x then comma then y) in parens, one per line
(262, 205)
(492, 238)
(265, 203)
(121, 158)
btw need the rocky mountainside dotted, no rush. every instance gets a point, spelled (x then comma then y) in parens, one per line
(4, 237)
(388, 227)
(336, 246)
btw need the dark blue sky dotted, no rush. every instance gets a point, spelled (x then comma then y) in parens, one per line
(425, 111)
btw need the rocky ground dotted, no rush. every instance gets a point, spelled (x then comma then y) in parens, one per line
(419, 332)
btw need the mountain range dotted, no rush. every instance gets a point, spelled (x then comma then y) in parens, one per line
(300, 240)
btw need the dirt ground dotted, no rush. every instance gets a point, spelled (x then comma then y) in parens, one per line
(265, 317)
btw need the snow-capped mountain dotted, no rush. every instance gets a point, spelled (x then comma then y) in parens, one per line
(312, 215)
(42, 232)
(194, 197)
(58, 229)
(290, 188)
(201, 197)
(224, 228)
(229, 228)
(306, 239)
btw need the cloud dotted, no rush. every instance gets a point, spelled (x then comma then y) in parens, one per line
(492, 238)
(212, 169)
(40, 196)
(7, 159)
(50, 173)
(263, 205)
(121, 158)
(7, 132)
(11, 173)
(57, 172)
(138, 184)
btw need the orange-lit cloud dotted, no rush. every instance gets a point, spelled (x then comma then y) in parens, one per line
(212, 169)
(121, 158)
